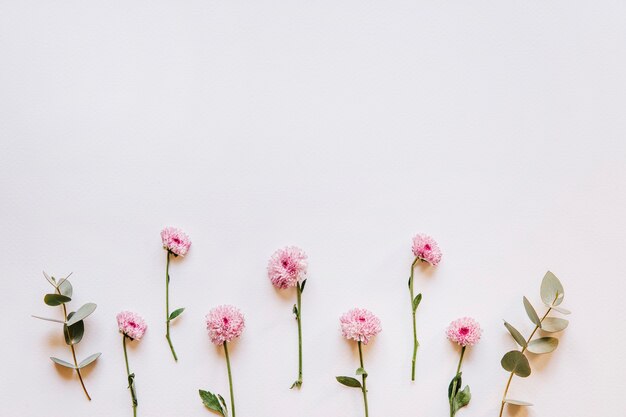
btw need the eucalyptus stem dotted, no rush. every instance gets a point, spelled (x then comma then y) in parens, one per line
(508, 384)
(298, 382)
(415, 341)
(230, 379)
(363, 376)
(167, 305)
(130, 378)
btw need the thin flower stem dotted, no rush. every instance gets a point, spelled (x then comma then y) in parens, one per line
(364, 376)
(230, 379)
(132, 396)
(80, 377)
(298, 383)
(506, 389)
(458, 370)
(415, 342)
(167, 305)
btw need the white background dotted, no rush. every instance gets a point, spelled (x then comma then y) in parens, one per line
(343, 127)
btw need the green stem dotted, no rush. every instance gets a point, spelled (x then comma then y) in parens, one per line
(130, 381)
(230, 380)
(298, 382)
(458, 371)
(415, 342)
(506, 389)
(364, 376)
(167, 305)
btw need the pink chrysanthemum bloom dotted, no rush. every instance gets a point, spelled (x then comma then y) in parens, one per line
(131, 324)
(287, 266)
(224, 323)
(465, 331)
(426, 249)
(175, 241)
(360, 325)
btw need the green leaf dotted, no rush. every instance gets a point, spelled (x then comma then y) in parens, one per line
(223, 402)
(82, 313)
(543, 345)
(561, 310)
(349, 381)
(176, 313)
(55, 299)
(532, 314)
(62, 363)
(131, 387)
(211, 401)
(517, 402)
(73, 334)
(409, 282)
(66, 288)
(452, 388)
(50, 279)
(515, 361)
(295, 310)
(516, 335)
(554, 324)
(47, 319)
(552, 292)
(88, 360)
(416, 301)
(302, 286)
(461, 399)
(361, 371)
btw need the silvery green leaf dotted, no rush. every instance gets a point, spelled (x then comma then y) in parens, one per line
(551, 290)
(554, 324)
(82, 313)
(50, 279)
(543, 345)
(517, 402)
(211, 401)
(55, 299)
(62, 363)
(561, 310)
(89, 360)
(349, 381)
(176, 313)
(416, 301)
(516, 335)
(515, 361)
(73, 334)
(361, 371)
(532, 314)
(47, 319)
(65, 288)
(302, 286)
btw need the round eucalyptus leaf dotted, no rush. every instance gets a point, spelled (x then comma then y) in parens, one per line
(532, 314)
(56, 299)
(515, 361)
(74, 333)
(82, 313)
(516, 335)
(554, 324)
(517, 402)
(551, 290)
(543, 345)
(66, 288)
(561, 310)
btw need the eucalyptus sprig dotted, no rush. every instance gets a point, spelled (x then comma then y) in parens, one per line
(515, 361)
(73, 324)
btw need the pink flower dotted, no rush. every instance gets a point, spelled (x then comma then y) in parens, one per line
(224, 323)
(360, 325)
(465, 331)
(426, 249)
(175, 241)
(131, 324)
(287, 266)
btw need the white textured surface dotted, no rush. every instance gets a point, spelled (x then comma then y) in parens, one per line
(340, 126)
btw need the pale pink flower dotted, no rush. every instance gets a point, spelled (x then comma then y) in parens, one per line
(465, 331)
(131, 324)
(360, 325)
(224, 323)
(287, 266)
(426, 249)
(175, 241)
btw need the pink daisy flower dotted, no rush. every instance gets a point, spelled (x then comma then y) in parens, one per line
(175, 241)
(426, 249)
(287, 267)
(360, 325)
(465, 331)
(224, 323)
(131, 324)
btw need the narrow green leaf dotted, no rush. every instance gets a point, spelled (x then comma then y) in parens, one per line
(176, 313)
(554, 324)
(552, 292)
(62, 363)
(56, 299)
(349, 381)
(211, 401)
(532, 314)
(561, 310)
(416, 301)
(73, 334)
(517, 402)
(462, 398)
(47, 319)
(88, 360)
(302, 286)
(543, 345)
(50, 279)
(131, 387)
(66, 288)
(516, 335)
(223, 403)
(361, 371)
(452, 388)
(515, 361)
(295, 310)
(82, 313)
(409, 282)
